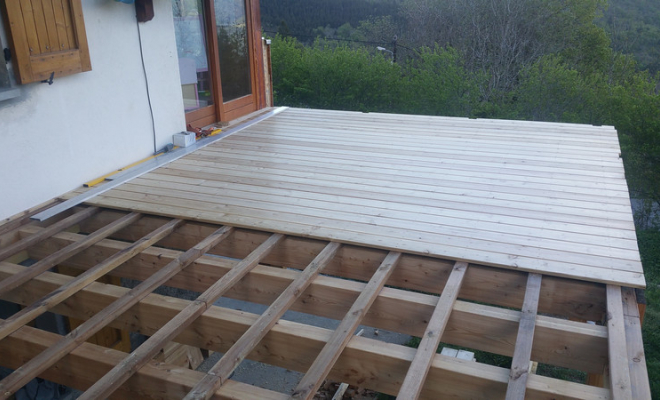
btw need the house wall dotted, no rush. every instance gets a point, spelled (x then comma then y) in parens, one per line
(54, 138)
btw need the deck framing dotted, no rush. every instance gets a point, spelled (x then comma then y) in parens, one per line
(355, 360)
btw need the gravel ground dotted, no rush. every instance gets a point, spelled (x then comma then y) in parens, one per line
(280, 379)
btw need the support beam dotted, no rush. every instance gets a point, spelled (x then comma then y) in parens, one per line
(66, 252)
(34, 367)
(148, 350)
(635, 344)
(55, 297)
(47, 232)
(559, 296)
(220, 372)
(428, 347)
(522, 354)
(562, 343)
(618, 354)
(313, 379)
(89, 362)
(366, 362)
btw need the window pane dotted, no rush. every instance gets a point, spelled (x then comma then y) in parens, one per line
(189, 29)
(230, 18)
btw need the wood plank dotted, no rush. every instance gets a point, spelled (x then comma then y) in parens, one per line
(344, 222)
(51, 230)
(40, 25)
(619, 366)
(419, 367)
(87, 363)
(137, 359)
(639, 377)
(44, 360)
(66, 252)
(61, 25)
(570, 299)
(293, 346)
(30, 29)
(78, 22)
(51, 26)
(312, 380)
(55, 297)
(68, 26)
(524, 342)
(372, 236)
(220, 372)
(399, 212)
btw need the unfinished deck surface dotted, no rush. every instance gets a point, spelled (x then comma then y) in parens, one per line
(539, 197)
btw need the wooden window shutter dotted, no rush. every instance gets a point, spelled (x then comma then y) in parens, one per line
(48, 36)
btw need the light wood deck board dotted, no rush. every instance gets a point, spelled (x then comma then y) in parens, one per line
(502, 244)
(376, 208)
(448, 187)
(424, 176)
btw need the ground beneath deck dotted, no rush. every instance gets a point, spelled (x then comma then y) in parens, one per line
(534, 196)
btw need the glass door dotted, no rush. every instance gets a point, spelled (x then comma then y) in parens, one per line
(195, 64)
(232, 23)
(217, 62)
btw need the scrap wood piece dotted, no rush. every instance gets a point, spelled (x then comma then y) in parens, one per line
(520, 366)
(47, 232)
(635, 344)
(50, 356)
(323, 363)
(57, 296)
(67, 252)
(148, 350)
(419, 368)
(220, 372)
(620, 384)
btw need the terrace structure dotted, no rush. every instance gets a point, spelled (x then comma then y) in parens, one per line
(507, 237)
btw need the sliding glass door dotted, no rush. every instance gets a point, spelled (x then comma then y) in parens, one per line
(217, 53)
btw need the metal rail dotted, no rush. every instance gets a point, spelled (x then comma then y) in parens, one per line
(149, 166)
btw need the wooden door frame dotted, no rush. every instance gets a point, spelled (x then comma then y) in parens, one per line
(221, 111)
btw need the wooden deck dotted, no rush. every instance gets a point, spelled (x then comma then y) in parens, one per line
(540, 197)
(510, 238)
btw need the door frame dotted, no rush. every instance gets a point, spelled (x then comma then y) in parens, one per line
(221, 111)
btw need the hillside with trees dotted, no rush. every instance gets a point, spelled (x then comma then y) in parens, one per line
(303, 18)
(634, 27)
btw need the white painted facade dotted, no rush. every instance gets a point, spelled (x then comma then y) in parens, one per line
(54, 138)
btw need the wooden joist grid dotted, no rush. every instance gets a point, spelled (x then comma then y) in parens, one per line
(526, 316)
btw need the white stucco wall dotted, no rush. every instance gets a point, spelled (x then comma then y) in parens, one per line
(54, 138)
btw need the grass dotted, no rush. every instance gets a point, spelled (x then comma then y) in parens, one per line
(649, 247)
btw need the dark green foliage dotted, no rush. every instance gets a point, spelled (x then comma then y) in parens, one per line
(302, 17)
(634, 26)
(649, 247)
(339, 77)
